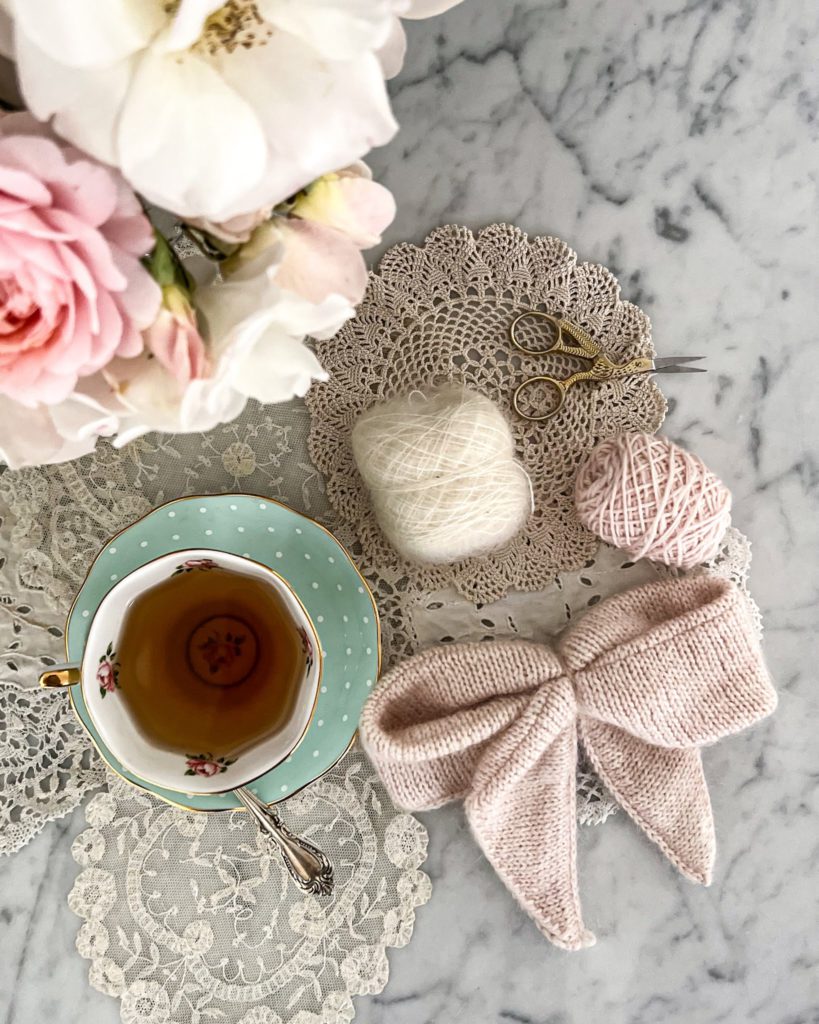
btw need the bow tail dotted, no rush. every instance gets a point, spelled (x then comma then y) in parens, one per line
(526, 822)
(662, 789)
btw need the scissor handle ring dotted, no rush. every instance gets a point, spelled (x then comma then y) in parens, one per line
(553, 320)
(554, 384)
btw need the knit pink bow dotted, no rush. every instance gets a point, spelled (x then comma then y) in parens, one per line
(642, 681)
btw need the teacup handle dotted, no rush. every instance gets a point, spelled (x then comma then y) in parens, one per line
(308, 866)
(61, 675)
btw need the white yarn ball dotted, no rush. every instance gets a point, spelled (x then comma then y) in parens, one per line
(442, 475)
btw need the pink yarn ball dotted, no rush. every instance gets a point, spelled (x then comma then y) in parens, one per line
(653, 499)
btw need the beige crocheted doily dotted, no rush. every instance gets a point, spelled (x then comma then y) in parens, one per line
(441, 311)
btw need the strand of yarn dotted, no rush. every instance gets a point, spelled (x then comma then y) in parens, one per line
(442, 475)
(653, 499)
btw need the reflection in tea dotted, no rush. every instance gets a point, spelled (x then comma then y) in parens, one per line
(209, 659)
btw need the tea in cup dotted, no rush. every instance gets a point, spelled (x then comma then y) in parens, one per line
(200, 672)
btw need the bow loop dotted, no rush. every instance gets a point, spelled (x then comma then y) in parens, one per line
(675, 666)
(430, 727)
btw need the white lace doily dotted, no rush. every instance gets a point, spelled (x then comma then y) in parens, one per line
(442, 311)
(189, 918)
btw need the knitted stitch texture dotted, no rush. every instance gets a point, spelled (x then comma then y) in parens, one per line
(645, 679)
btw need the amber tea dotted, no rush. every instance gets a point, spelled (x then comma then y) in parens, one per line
(209, 660)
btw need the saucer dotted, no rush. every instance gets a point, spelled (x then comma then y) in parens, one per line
(317, 568)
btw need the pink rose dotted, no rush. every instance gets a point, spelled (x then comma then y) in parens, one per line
(73, 293)
(174, 337)
(306, 645)
(201, 767)
(106, 677)
(200, 563)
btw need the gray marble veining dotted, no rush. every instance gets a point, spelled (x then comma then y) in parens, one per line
(677, 142)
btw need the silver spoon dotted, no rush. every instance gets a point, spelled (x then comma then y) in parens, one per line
(308, 866)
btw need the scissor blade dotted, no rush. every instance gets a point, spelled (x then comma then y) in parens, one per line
(678, 369)
(673, 360)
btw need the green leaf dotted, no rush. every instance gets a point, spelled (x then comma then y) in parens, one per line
(165, 266)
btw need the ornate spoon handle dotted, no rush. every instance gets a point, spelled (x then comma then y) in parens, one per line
(311, 870)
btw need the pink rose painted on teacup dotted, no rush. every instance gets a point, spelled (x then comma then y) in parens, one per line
(206, 765)
(307, 647)
(108, 671)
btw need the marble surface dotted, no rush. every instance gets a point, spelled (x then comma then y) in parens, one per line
(676, 142)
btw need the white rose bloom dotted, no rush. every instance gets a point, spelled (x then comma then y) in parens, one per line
(211, 109)
(256, 349)
(57, 433)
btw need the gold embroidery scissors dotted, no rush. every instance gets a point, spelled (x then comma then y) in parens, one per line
(567, 339)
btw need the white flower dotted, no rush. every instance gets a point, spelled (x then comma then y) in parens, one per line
(93, 894)
(414, 888)
(198, 936)
(210, 109)
(256, 349)
(405, 841)
(428, 8)
(365, 970)
(337, 1008)
(88, 847)
(92, 940)
(145, 1002)
(56, 433)
(106, 976)
(191, 826)
(261, 1015)
(350, 202)
(257, 331)
(398, 924)
(101, 809)
(237, 229)
(308, 917)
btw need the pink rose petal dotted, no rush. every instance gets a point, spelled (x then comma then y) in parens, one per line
(73, 293)
(319, 261)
